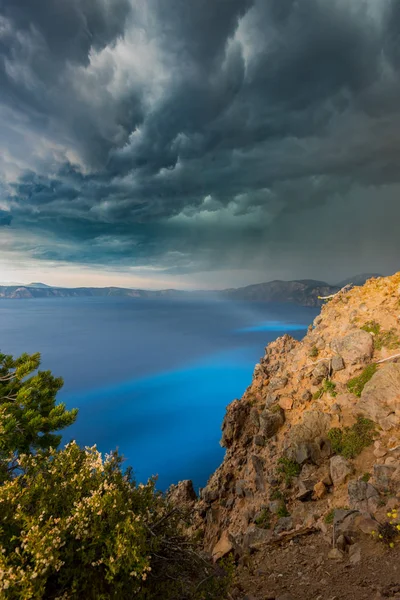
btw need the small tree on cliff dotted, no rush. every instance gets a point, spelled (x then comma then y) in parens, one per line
(29, 415)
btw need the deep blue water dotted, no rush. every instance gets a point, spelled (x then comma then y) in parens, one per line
(151, 377)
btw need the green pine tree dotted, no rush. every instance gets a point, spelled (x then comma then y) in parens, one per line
(29, 415)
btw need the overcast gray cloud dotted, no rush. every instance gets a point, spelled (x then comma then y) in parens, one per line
(258, 135)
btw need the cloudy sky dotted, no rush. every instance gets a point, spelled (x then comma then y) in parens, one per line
(208, 143)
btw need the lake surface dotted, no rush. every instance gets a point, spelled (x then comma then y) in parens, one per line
(151, 377)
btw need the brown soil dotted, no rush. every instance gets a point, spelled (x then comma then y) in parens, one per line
(303, 571)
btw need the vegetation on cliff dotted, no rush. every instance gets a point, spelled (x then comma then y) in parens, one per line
(74, 524)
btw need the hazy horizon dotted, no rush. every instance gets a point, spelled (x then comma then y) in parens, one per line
(155, 288)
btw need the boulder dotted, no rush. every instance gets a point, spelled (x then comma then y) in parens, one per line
(354, 554)
(259, 440)
(283, 524)
(274, 506)
(254, 537)
(271, 399)
(380, 452)
(258, 464)
(337, 363)
(395, 479)
(365, 524)
(335, 554)
(233, 424)
(340, 469)
(209, 495)
(341, 542)
(306, 489)
(363, 496)
(343, 521)
(183, 493)
(286, 403)
(254, 417)
(314, 424)
(271, 421)
(277, 383)
(356, 347)
(319, 490)
(241, 489)
(222, 547)
(380, 398)
(320, 372)
(383, 475)
(306, 396)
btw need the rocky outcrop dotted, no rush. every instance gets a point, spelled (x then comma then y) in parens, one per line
(354, 348)
(286, 466)
(363, 496)
(182, 493)
(340, 470)
(380, 398)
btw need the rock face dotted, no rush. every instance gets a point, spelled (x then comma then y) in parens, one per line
(271, 422)
(380, 398)
(233, 422)
(280, 470)
(182, 493)
(363, 496)
(340, 469)
(355, 347)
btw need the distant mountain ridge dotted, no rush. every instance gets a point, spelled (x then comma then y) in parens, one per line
(358, 279)
(304, 292)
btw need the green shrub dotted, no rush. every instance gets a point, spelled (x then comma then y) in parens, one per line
(387, 339)
(350, 441)
(276, 494)
(371, 327)
(382, 338)
(263, 520)
(288, 468)
(329, 517)
(366, 477)
(314, 352)
(356, 385)
(282, 511)
(328, 386)
(75, 525)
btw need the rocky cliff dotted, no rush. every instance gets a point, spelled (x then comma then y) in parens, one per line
(314, 443)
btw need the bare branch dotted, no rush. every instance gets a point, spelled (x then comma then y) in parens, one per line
(342, 291)
(388, 358)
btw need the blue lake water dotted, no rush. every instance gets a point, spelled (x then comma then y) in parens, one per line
(151, 377)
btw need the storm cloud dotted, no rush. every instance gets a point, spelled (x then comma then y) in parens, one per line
(202, 136)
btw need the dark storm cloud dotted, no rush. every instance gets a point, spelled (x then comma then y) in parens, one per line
(5, 218)
(196, 135)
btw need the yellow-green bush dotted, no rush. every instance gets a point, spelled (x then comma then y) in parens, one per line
(75, 525)
(350, 441)
(357, 384)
